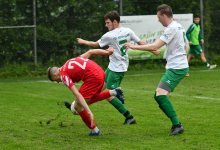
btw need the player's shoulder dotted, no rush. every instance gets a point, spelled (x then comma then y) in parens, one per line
(192, 25)
(107, 34)
(177, 26)
(121, 29)
(126, 29)
(116, 31)
(174, 24)
(172, 28)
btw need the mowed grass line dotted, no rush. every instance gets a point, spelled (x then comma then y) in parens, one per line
(33, 115)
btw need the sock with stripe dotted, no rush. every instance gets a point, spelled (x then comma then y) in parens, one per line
(207, 64)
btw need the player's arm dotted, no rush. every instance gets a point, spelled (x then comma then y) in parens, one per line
(157, 52)
(91, 52)
(187, 47)
(186, 43)
(82, 102)
(200, 37)
(88, 43)
(141, 43)
(188, 33)
(149, 47)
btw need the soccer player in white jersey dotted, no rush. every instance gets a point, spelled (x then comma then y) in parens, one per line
(118, 65)
(177, 66)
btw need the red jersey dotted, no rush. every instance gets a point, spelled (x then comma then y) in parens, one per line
(77, 69)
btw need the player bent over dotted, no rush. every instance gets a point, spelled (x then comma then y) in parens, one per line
(81, 68)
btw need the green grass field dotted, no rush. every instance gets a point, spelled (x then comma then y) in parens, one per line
(33, 115)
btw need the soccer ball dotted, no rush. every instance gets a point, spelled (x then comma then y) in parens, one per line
(72, 109)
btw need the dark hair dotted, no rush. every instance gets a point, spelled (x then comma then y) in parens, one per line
(196, 16)
(112, 15)
(165, 10)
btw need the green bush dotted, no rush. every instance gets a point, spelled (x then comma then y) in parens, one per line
(23, 69)
(13, 69)
(196, 62)
(212, 58)
(147, 64)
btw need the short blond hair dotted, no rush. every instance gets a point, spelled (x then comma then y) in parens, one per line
(50, 71)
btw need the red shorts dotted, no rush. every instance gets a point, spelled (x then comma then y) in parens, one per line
(93, 85)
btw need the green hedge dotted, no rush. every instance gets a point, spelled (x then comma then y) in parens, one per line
(27, 69)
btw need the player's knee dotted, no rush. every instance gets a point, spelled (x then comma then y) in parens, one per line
(160, 99)
(78, 108)
(202, 54)
(157, 99)
(88, 101)
(155, 95)
(110, 98)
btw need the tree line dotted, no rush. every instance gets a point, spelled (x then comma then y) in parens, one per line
(59, 23)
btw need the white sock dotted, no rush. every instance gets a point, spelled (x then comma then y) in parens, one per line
(113, 92)
(208, 65)
(73, 102)
(95, 130)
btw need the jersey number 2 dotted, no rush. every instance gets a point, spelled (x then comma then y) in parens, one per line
(83, 66)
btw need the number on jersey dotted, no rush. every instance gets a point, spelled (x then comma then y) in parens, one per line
(83, 66)
(123, 49)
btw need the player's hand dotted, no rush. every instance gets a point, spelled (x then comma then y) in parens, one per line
(202, 41)
(157, 52)
(110, 50)
(91, 117)
(190, 43)
(80, 41)
(128, 45)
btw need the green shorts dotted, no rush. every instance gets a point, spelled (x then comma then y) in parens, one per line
(195, 49)
(113, 79)
(171, 78)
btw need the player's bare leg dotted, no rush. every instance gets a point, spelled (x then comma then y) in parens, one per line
(188, 59)
(202, 55)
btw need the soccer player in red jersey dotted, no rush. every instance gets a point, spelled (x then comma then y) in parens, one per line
(81, 68)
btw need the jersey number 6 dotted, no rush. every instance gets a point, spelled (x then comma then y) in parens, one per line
(123, 49)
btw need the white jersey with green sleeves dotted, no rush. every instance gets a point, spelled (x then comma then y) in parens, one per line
(175, 37)
(116, 38)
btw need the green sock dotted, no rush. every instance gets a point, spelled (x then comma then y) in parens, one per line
(207, 64)
(166, 106)
(120, 107)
